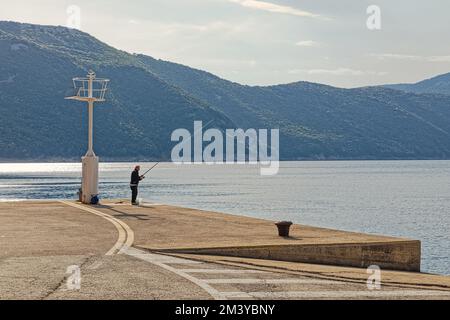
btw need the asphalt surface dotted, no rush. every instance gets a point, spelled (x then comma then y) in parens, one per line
(44, 246)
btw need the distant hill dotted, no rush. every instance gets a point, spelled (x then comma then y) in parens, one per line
(150, 98)
(439, 84)
(323, 122)
(37, 64)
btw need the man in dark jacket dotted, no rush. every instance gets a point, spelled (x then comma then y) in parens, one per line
(134, 183)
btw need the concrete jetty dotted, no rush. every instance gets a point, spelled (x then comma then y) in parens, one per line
(158, 251)
(214, 233)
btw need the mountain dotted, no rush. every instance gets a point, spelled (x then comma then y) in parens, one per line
(439, 84)
(323, 122)
(149, 98)
(37, 64)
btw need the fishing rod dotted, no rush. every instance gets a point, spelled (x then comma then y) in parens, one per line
(150, 169)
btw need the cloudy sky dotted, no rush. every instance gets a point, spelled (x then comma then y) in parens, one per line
(267, 42)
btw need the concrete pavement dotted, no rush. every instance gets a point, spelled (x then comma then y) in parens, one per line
(40, 240)
(165, 228)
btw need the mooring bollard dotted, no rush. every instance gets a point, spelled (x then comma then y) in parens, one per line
(283, 228)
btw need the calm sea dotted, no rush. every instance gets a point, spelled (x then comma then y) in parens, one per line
(398, 198)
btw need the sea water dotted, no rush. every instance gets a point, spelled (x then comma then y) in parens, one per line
(397, 198)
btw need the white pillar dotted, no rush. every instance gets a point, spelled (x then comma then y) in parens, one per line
(90, 161)
(89, 184)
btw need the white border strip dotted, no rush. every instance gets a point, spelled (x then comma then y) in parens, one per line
(270, 281)
(139, 254)
(339, 294)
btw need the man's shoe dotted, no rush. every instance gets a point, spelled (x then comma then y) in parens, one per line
(134, 203)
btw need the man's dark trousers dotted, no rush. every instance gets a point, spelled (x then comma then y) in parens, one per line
(134, 193)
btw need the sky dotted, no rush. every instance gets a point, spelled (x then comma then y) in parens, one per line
(267, 42)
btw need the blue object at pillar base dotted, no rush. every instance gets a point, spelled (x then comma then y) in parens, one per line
(95, 199)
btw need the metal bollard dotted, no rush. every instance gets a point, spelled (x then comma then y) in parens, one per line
(283, 228)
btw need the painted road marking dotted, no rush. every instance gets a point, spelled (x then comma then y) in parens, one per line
(164, 259)
(270, 281)
(221, 271)
(126, 235)
(338, 294)
(202, 284)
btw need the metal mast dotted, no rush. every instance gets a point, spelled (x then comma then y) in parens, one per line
(90, 90)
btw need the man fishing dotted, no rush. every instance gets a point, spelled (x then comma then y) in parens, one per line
(134, 183)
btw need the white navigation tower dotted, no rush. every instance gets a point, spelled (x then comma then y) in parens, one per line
(90, 90)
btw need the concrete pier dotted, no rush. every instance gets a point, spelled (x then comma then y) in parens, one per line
(215, 233)
(165, 252)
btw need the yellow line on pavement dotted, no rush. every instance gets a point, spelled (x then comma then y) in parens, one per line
(126, 235)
